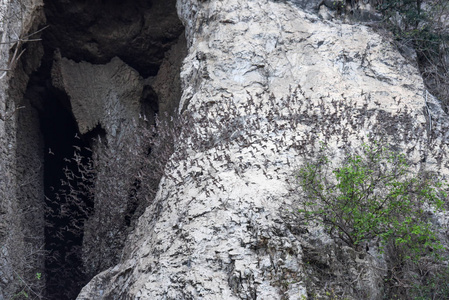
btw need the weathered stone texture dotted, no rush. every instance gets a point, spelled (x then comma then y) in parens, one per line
(167, 83)
(21, 188)
(112, 102)
(100, 94)
(262, 79)
(105, 97)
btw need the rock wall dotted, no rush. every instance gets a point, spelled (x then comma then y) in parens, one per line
(21, 153)
(105, 97)
(263, 83)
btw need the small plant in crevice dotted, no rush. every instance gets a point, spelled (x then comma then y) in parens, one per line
(22, 263)
(22, 266)
(29, 290)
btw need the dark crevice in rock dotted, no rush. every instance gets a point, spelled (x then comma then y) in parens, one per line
(150, 102)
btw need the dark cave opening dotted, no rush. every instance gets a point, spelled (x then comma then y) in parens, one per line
(68, 182)
(139, 32)
(68, 197)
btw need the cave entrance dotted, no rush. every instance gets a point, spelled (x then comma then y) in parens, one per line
(148, 37)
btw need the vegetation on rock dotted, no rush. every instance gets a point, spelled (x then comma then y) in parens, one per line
(373, 197)
(373, 194)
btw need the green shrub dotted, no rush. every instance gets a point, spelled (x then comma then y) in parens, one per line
(371, 195)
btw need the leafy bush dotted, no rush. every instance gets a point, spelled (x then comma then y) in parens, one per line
(372, 195)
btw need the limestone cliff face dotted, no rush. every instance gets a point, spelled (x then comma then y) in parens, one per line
(263, 82)
(254, 85)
